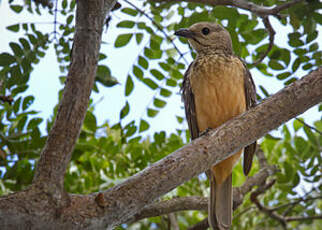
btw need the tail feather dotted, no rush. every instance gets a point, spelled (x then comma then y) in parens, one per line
(220, 204)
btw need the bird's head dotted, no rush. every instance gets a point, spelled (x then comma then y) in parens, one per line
(205, 36)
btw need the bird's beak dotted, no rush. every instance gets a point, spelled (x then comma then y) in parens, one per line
(184, 33)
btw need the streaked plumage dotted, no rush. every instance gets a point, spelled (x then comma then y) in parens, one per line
(217, 87)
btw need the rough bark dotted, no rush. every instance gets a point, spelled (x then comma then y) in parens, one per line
(54, 159)
(36, 209)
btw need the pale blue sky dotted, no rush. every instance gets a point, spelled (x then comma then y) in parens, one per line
(44, 81)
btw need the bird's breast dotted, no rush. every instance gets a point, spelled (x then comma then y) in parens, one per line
(218, 88)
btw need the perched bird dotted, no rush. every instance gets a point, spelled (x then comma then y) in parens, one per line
(217, 87)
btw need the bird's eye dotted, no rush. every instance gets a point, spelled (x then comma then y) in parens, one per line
(205, 31)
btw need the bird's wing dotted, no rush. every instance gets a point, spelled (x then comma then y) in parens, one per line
(250, 94)
(189, 105)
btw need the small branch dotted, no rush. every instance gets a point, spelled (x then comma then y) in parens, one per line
(173, 222)
(260, 11)
(202, 225)
(272, 214)
(301, 218)
(309, 126)
(271, 33)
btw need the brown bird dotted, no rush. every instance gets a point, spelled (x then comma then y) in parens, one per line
(217, 87)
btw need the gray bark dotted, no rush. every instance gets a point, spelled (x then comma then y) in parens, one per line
(119, 204)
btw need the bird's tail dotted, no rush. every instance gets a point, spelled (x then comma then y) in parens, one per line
(220, 203)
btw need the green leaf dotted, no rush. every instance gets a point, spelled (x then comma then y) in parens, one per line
(90, 122)
(103, 75)
(150, 83)
(123, 39)
(129, 86)
(33, 123)
(126, 24)
(27, 101)
(14, 28)
(16, 49)
(310, 135)
(143, 126)
(297, 124)
(264, 91)
(165, 93)
(283, 76)
(69, 19)
(152, 112)
(16, 105)
(311, 36)
(6, 59)
(138, 38)
(129, 11)
(16, 8)
(274, 64)
(159, 103)
(137, 72)
(64, 4)
(157, 74)
(143, 62)
(125, 110)
(171, 82)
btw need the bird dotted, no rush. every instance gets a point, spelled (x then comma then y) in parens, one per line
(217, 86)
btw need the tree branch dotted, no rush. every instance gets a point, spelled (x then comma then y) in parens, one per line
(201, 203)
(56, 154)
(125, 200)
(271, 212)
(271, 34)
(260, 11)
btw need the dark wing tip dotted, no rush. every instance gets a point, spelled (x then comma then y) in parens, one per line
(249, 152)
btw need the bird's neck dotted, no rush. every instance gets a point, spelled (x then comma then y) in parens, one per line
(215, 50)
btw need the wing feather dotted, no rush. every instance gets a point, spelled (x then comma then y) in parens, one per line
(189, 104)
(250, 94)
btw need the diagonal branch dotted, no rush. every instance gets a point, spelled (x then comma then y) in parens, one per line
(201, 203)
(120, 203)
(126, 199)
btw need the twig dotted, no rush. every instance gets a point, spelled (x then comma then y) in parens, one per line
(300, 218)
(271, 33)
(309, 126)
(254, 199)
(260, 11)
(202, 225)
(272, 211)
(173, 222)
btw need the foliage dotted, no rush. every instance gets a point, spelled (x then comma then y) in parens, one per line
(109, 153)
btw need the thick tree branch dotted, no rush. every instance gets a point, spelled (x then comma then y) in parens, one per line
(56, 154)
(261, 11)
(125, 200)
(201, 203)
(198, 156)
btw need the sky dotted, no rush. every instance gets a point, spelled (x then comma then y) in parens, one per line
(44, 80)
